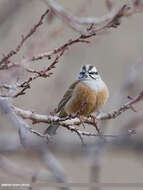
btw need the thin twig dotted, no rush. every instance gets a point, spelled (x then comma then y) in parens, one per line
(125, 107)
(5, 59)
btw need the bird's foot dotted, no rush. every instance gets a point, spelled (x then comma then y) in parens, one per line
(81, 118)
(95, 124)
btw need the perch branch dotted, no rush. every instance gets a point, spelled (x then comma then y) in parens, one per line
(70, 123)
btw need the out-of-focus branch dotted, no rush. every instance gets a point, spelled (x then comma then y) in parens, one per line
(109, 4)
(137, 7)
(6, 108)
(94, 155)
(36, 173)
(24, 172)
(77, 22)
(55, 167)
(80, 24)
(25, 134)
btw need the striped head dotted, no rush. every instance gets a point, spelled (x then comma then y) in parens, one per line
(88, 72)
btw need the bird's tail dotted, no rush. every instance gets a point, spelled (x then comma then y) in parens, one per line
(51, 130)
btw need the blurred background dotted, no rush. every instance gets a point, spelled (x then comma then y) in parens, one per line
(117, 55)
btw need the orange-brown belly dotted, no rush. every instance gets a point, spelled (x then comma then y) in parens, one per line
(84, 100)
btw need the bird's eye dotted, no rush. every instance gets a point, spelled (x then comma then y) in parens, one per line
(82, 73)
(93, 73)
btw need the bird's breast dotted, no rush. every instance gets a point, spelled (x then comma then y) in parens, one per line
(85, 100)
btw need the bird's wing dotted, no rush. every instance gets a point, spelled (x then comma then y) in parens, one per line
(66, 96)
(51, 130)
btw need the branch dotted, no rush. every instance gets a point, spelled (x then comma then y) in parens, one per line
(70, 123)
(45, 73)
(37, 74)
(55, 167)
(125, 107)
(5, 59)
(113, 19)
(26, 173)
(25, 132)
(109, 4)
(137, 7)
(55, 51)
(37, 118)
(77, 23)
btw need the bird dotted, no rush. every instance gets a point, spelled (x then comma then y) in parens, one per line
(84, 96)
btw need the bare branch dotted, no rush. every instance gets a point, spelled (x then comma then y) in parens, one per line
(36, 118)
(45, 73)
(38, 74)
(137, 7)
(26, 173)
(69, 123)
(109, 4)
(80, 24)
(55, 167)
(25, 132)
(122, 109)
(113, 20)
(77, 22)
(5, 59)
